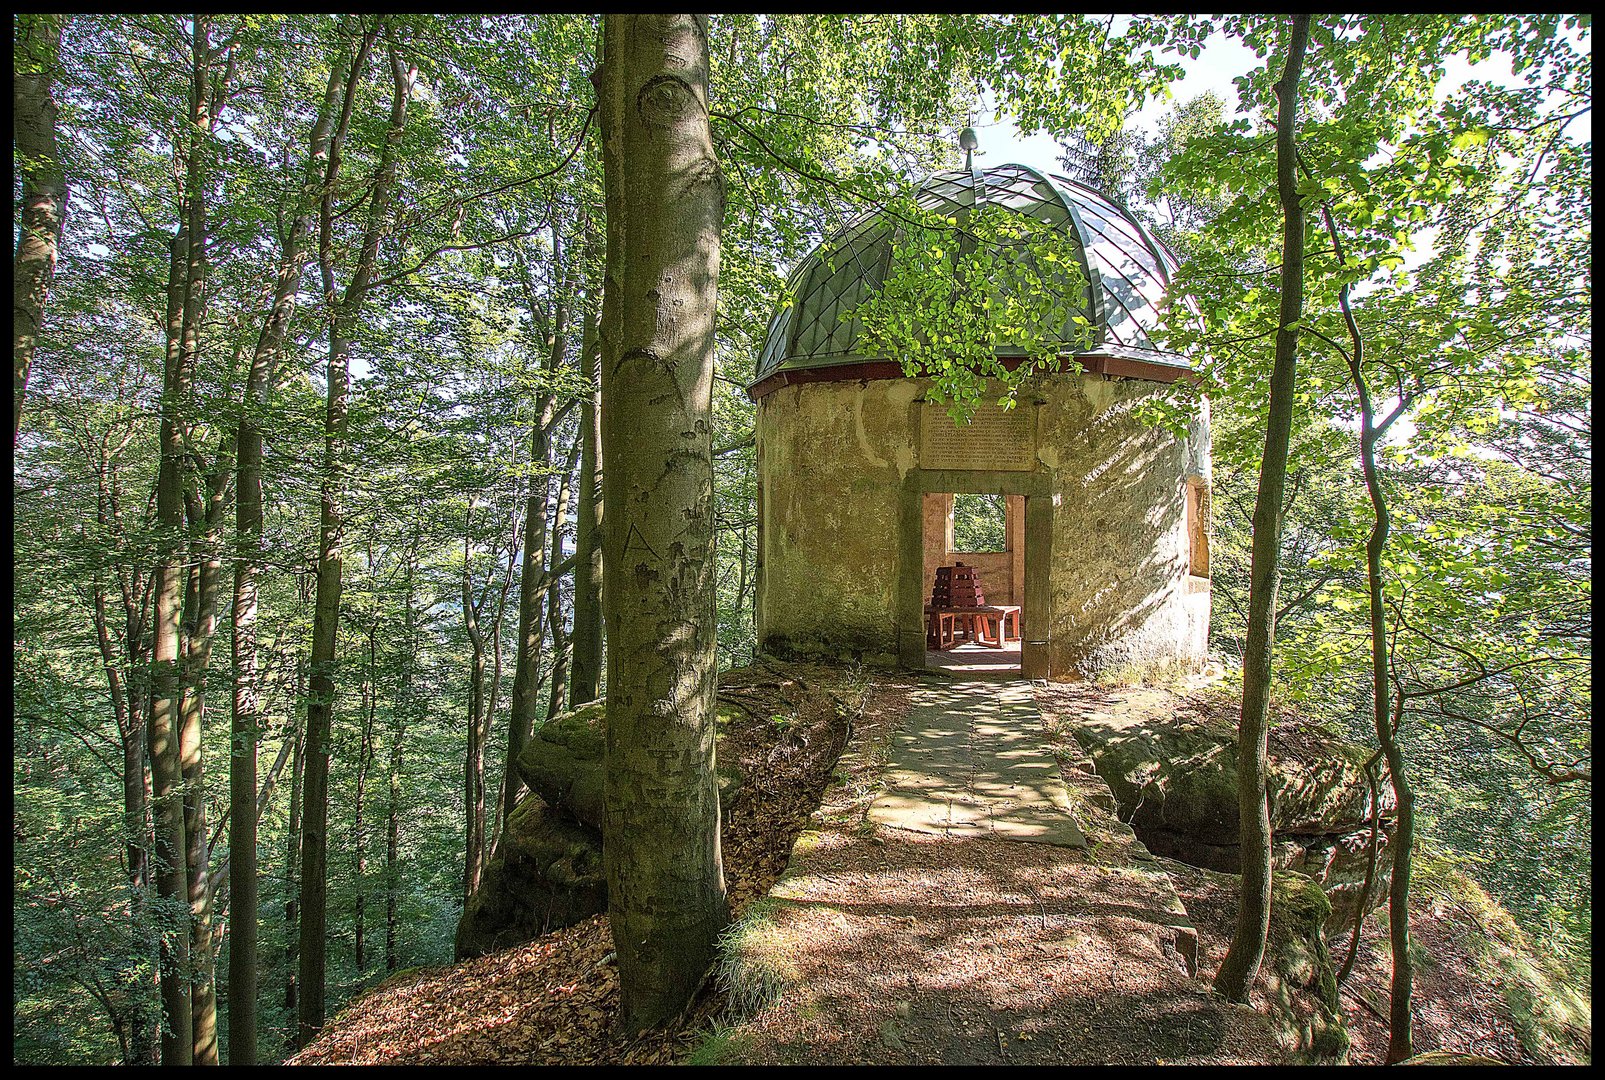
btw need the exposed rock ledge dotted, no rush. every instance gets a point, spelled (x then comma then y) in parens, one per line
(1171, 763)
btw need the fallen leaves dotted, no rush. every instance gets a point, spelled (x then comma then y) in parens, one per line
(554, 1000)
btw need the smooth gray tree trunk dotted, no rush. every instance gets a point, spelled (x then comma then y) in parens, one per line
(665, 208)
(343, 309)
(35, 58)
(248, 557)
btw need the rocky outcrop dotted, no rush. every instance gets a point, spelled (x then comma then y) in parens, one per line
(562, 763)
(548, 873)
(1175, 781)
(1297, 987)
(1298, 972)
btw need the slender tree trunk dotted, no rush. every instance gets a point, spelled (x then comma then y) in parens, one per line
(343, 312)
(534, 578)
(292, 885)
(1387, 727)
(205, 559)
(133, 775)
(1400, 1033)
(474, 758)
(364, 763)
(197, 656)
(1371, 852)
(398, 731)
(531, 627)
(133, 751)
(741, 574)
(562, 646)
(167, 780)
(35, 59)
(244, 735)
(1241, 966)
(587, 637)
(665, 205)
(167, 727)
(492, 838)
(246, 719)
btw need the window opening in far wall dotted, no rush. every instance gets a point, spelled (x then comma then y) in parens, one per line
(978, 523)
(1197, 527)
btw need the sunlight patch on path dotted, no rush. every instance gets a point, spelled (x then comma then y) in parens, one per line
(970, 761)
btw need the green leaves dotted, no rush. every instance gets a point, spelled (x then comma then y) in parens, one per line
(957, 295)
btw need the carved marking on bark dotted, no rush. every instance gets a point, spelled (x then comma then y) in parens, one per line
(637, 539)
(665, 99)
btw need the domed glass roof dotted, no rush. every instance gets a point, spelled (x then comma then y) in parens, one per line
(1127, 271)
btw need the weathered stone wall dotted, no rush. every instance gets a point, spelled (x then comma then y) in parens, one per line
(835, 456)
(1122, 599)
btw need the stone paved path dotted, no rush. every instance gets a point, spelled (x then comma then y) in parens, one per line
(971, 761)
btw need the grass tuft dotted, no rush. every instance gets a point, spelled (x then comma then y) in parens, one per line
(755, 965)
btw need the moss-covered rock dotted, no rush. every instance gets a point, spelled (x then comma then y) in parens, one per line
(562, 762)
(1299, 975)
(1175, 780)
(547, 874)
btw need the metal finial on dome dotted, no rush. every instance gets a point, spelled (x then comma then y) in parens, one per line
(968, 142)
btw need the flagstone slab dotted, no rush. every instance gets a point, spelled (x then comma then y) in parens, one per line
(970, 761)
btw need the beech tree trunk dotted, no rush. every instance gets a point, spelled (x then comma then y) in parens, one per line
(665, 206)
(35, 57)
(359, 831)
(1400, 1026)
(343, 312)
(200, 626)
(1241, 966)
(562, 644)
(162, 727)
(1400, 1034)
(398, 732)
(535, 575)
(474, 760)
(587, 636)
(292, 885)
(246, 720)
(173, 734)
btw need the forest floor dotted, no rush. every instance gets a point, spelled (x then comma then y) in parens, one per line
(554, 1000)
(919, 947)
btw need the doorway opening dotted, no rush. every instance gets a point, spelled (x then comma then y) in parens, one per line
(973, 582)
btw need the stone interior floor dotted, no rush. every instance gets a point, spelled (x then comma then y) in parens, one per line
(971, 659)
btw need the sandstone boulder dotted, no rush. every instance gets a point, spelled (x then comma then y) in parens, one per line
(562, 763)
(1174, 779)
(547, 874)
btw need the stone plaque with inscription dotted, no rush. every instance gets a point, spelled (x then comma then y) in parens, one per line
(994, 439)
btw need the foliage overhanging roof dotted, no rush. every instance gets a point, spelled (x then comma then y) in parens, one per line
(1126, 268)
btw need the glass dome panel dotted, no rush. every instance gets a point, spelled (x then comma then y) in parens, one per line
(1127, 271)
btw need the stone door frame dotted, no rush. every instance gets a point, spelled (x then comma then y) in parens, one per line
(1037, 616)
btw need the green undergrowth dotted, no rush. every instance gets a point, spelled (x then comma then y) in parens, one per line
(754, 965)
(1550, 1006)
